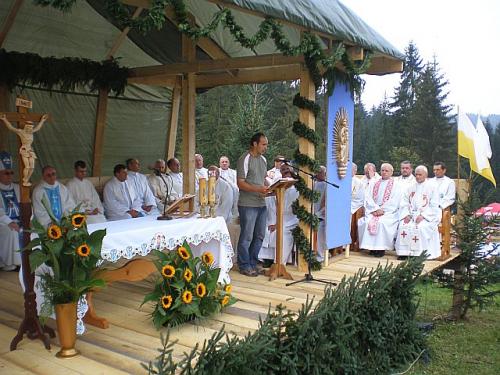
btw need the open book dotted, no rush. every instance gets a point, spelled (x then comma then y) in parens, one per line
(282, 183)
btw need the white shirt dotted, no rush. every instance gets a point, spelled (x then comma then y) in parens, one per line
(141, 187)
(357, 194)
(405, 182)
(177, 180)
(84, 193)
(120, 197)
(446, 190)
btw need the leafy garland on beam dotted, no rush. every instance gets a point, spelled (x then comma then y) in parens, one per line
(316, 61)
(66, 73)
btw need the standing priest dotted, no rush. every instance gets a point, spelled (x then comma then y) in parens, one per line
(378, 227)
(420, 216)
(10, 216)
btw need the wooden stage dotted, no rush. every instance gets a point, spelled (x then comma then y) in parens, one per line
(132, 339)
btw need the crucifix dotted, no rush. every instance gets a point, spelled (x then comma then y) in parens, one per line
(25, 129)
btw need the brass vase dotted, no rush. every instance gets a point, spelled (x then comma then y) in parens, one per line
(66, 327)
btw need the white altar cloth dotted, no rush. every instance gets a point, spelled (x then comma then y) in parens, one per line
(138, 237)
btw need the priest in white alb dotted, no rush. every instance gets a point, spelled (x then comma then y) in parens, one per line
(174, 166)
(229, 175)
(10, 216)
(223, 195)
(370, 176)
(199, 170)
(406, 178)
(378, 228)
(445, 185)
(141, 187)
(162, 185)
(85, 195)
(120, 199)
(57, 196)
(419, 218)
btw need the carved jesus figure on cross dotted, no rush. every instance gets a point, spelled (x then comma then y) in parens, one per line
(26, 136)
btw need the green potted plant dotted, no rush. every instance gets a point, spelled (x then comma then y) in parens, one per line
(71, 255)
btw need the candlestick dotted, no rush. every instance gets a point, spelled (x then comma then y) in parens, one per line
(202, 185)
(211, 190)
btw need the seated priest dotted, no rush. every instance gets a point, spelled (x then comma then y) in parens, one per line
(378, 228)
(445, 185)
(199, 170)
(10, 216)
(357, 201)
(57, 196)
(229, 175)
(85, 195)
(175, 172)
(406, 178)
(370, 177)
(120, 199)
(223, 195)
(420, 216)
(319, 211)
(162, 185)
(290, 221)
(141, 186)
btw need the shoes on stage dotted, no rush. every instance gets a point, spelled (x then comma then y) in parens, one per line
(379, 254)
(267, 263)
(402, 257)
(372, 253)
(249, 272)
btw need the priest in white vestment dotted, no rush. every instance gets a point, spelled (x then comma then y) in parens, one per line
(223, 195)
(274, 174)
(85, 195)
(320, 212)
(445, 185)
(10, 216)
(357, 191)
(162, 185)
(199, 170)
(58, 197)
(229, 175)
(420, 216)
(120, 199)
(378, 228)
(175, 173)
(141, 187)
(370, 177)
(406, 179)
(290, 221)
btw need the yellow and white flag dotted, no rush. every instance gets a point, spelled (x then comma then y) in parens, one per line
(474, 144)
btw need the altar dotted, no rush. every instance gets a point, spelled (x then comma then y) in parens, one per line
(138, 237)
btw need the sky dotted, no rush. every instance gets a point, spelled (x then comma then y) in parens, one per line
(463, 35)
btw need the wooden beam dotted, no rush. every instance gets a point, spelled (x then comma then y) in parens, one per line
(100, 124)
(202, 66)
(381, 65)
(356, 53)
(121, 38)
(291, 73)
(164, 80)
(9, 21)
(308, 91)
(174, 120)
(188, 117)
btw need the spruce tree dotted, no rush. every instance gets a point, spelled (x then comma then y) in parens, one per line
(432, 129)
(405, 95)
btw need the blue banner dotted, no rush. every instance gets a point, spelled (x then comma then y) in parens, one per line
(339, 168)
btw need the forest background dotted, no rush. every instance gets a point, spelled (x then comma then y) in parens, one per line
(416, 123)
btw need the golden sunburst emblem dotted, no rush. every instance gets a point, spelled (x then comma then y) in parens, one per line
(340, 149)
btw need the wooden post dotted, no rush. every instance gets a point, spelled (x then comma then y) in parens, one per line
(174, 120)
(100, 124)
(188, 117)
(9, 21)
(307, 90)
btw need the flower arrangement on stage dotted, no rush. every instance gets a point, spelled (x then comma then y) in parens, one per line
(70, 255)
(187, 287)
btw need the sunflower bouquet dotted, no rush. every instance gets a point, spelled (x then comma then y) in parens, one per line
(68, 255)
(186, 288)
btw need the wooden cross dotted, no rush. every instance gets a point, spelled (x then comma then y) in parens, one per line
(30, 324)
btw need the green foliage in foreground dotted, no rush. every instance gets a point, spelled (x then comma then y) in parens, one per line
(366, 325)
(458, 348)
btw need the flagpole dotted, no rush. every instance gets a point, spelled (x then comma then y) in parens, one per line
(458, 155)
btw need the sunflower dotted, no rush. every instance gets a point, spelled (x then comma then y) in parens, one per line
(187, 297)
(168, 271)
(225, 301)
(207, 258)
(183, 253)
(188, 275)
(77, 220)
(228, 288)
(201, 290)
(83, 250)
(54, 232)
(166, 301)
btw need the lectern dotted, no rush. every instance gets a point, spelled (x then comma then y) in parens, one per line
(278, 269)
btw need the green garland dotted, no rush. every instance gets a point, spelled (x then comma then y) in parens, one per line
(66, 73)
(311, 105)
(303, 244)
(307, 193)
(302, 130)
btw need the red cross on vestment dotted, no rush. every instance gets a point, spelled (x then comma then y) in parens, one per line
(415, 239)
(404, 234)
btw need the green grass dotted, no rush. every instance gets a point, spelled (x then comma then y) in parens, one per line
(470, 347)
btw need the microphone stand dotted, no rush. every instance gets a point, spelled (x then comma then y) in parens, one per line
(308, 277)
(167, 196)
